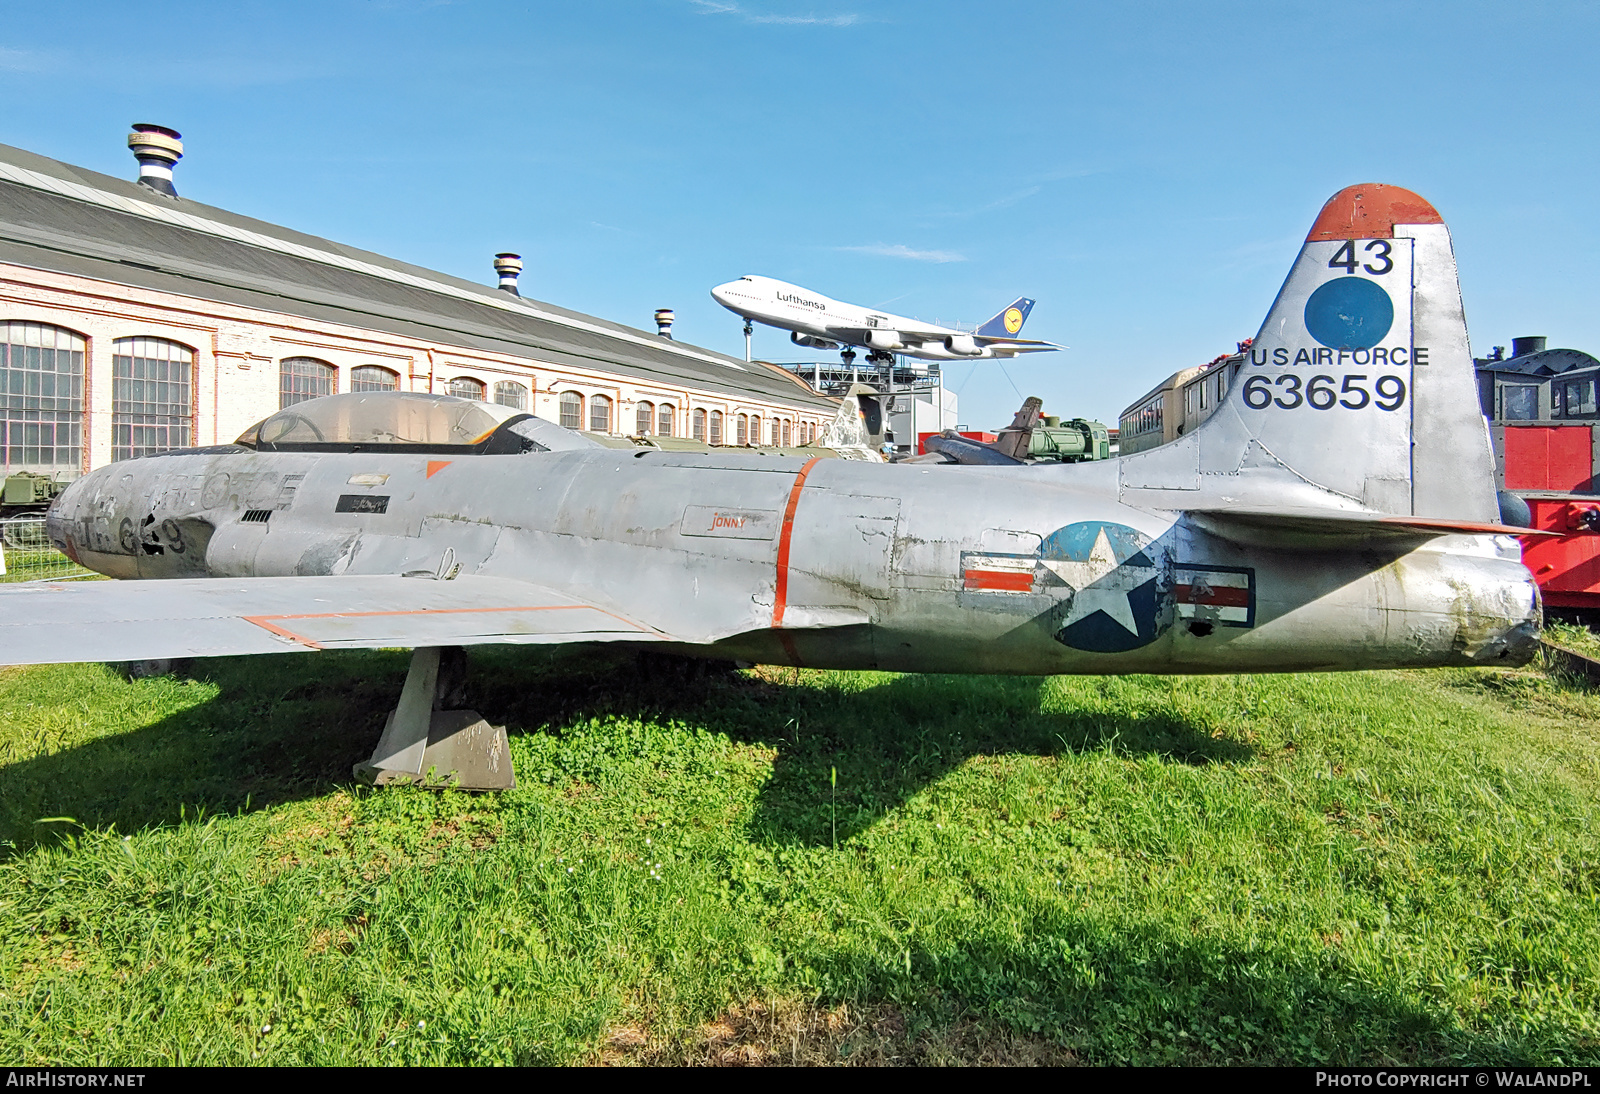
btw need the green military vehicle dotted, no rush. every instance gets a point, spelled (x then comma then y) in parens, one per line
(1074, 441)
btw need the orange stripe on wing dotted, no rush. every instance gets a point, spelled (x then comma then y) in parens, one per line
(781, 597)
(265, 621)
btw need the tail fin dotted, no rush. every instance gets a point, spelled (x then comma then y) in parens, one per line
(1359, 391)
(1007, 322)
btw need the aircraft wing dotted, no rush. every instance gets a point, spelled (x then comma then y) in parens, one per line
(1020, 344)
(211, 617)
(1320, 528)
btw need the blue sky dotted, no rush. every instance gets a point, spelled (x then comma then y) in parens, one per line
(1145, 170)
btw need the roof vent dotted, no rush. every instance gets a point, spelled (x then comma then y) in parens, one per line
(157, 149)
(1533, 343)
(509, 267)
(664, 319)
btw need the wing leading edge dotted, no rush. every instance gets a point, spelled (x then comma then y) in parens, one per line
(213, 617)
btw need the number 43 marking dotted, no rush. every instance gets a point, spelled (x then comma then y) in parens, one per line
(1345, 257)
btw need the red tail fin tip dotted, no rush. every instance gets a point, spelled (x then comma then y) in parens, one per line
(1370, 211)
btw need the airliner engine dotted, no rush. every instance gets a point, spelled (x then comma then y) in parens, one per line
(963, 345)
(884, 339)
(811, 341)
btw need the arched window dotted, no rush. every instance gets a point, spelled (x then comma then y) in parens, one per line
(645, 419)
(755, 430)
(664, 420)
(373, 378)
(786, 436)
(152, 409)
(465, 387)
(776, 435)
(302, 378)
(699, 425)
(811, 432)
(743, 427)
(512, 394)
(599, 414)
(716, 427)
(571, 410)
(41, 398)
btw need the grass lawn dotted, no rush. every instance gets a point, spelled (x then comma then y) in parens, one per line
(1363, 868)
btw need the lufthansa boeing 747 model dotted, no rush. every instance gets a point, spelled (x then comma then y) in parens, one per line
(817, 322)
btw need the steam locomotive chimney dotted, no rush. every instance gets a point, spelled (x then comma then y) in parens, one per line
(509, 267)
(664, 319)
(157, 148)
(1533, 343)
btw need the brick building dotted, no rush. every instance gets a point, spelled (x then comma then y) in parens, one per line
(133, 320)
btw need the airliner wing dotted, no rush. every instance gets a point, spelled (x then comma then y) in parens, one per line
(1021, 344)
(210, 617)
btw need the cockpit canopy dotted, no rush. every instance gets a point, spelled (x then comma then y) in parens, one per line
(404, 421)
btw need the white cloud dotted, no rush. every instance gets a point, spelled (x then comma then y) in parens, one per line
(900, 250)
(722, 7)
(22, 60)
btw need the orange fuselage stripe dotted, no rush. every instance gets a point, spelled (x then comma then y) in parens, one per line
(781, 597)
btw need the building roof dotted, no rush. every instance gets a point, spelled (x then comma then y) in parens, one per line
(1546, 362)
(57, 217)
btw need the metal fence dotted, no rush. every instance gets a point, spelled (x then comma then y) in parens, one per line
(26, 553)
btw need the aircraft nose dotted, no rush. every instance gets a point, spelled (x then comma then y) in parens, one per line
(721, 295)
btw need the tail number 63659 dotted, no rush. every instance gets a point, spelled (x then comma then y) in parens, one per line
(1289, 392)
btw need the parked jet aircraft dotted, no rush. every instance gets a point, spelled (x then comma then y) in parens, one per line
(1258, 542)
(817, 322)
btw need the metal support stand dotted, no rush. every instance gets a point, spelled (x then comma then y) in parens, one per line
(438, 748)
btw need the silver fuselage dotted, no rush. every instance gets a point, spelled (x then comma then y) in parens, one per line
(825, 563)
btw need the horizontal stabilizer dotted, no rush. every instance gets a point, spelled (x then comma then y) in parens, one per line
(1332, 529)
(214, 617)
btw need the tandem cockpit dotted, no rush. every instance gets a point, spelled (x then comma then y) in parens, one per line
(407, 421)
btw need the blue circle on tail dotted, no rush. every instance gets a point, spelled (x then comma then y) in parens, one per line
(1349, 313)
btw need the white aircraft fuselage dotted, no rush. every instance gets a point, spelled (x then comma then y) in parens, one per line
(820, 322)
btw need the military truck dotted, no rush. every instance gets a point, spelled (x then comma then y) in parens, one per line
(24, 493)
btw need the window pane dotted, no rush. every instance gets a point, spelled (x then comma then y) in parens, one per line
(716, 427)
(699, 425)
(41, 397)
(1520, 402)
(644, 419)
(373, 378)
(299, 378)
(664, 421)
(151, 406)
(571, 410)
(465, 387)
(786, 434)
(512, 394)
(744, 429)
(599, 414)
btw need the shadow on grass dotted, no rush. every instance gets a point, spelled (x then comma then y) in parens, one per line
(291, 727)
(886, 742)
(1114, 991)
(280, 729)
